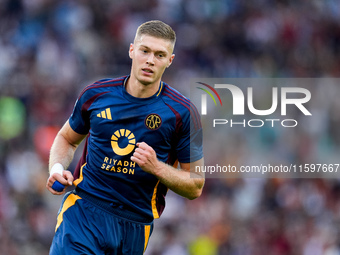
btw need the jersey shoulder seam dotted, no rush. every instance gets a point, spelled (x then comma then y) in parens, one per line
(103, 83)
(189, 107)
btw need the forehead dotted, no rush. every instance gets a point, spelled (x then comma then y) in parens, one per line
(154, 43)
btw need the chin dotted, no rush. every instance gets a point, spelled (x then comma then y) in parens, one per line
(146, 81)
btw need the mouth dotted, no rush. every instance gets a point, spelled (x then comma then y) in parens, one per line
(147, 70)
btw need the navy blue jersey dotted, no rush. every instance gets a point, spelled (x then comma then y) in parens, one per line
(115, 121)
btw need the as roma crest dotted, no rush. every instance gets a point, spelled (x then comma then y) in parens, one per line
(153, 121)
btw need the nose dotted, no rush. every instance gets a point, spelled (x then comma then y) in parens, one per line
(151, 59)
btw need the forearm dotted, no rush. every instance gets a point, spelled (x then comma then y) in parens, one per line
(180, 181)
(61, 152)
(64, 146)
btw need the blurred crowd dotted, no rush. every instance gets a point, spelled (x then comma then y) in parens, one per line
(50, 50)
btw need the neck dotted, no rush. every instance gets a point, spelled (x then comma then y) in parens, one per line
(137, 89)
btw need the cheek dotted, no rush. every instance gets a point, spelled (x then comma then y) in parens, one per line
(165, 66)
(140, 58)
(136, 61)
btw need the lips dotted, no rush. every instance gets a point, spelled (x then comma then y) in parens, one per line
(147, 70)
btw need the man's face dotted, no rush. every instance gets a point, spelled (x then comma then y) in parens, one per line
(150, 56)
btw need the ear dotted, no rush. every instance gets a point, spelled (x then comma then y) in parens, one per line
(170, 60)
(131, 50)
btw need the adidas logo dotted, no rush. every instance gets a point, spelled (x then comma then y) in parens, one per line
(106, 114)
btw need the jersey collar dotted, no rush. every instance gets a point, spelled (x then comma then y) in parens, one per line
(146, 100)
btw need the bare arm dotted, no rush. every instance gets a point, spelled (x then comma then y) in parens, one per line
(62, 151)
(181, 181)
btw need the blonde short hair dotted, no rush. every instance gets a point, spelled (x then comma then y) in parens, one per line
(158, 29)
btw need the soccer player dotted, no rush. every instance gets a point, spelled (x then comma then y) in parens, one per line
(137, 129)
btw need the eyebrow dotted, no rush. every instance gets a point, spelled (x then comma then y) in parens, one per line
(157, 51)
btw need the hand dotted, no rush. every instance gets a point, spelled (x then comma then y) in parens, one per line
(146, 157)
(66, 180)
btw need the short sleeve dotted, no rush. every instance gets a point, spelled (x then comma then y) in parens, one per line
(190, 144)
(79, 119)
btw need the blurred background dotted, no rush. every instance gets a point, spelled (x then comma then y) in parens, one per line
(50, 50)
